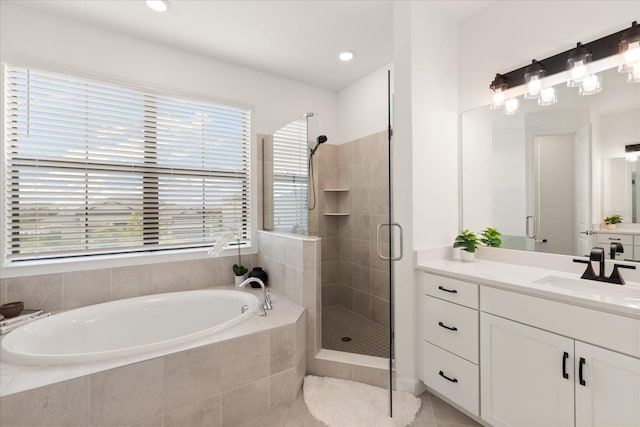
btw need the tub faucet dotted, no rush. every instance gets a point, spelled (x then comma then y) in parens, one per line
(266, 305)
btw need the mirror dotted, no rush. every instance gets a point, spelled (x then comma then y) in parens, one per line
(546, 176)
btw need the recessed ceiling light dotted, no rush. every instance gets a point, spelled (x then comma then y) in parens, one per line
(158, 5)
(345, 56)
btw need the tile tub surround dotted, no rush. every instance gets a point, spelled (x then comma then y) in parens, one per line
(292, 263)
(261, 361)
(65, 291)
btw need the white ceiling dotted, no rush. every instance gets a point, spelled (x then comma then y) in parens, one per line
(298, 40)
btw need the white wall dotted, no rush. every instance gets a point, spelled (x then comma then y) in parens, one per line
(424, 156)
(28, 37)
(619, 129)
(362, 107)
(508, 34)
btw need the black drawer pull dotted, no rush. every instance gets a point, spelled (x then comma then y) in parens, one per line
(451, 291)
(615, 238)
(451, 328)
(453, 380)
(580, 372)
(565, 356)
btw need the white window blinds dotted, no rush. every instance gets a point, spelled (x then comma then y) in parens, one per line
(290, 200)
(94, 168)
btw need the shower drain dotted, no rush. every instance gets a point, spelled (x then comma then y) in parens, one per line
(346, 339)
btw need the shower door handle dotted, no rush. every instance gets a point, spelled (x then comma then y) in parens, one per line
(530, 224)
(379, 242)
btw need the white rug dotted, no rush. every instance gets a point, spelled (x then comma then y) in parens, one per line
(342, 403)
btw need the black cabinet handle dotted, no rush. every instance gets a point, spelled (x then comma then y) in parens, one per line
(565, 356)
(615, 239)
(580, 373)
(451, 328)
(453, 380)
(451, 291)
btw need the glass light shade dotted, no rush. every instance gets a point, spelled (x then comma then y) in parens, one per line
(631, 157)
(511, 106)
(577, 73)
(533, 88)
(547, 97)
(629, 48)
(497, 99)
(590, 85)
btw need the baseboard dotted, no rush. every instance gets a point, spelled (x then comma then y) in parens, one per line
(412, 385)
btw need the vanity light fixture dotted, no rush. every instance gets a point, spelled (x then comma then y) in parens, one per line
(576, 64)
(631, 151)
(346, 56)
(533, 80)
(498, 86)
(158, 5)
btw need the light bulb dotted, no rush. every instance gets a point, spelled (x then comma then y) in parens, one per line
(497, 100)
(533, 88)
(511, 106)
(578, 73)
(630, 157)
(590, 85)
(632, 54)
(158, 5)
(547, 97)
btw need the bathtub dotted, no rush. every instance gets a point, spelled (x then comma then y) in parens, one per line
(126, 327)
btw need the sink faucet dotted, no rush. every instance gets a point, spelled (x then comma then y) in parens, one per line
(615, 248)
(266, 305)
(597, 255)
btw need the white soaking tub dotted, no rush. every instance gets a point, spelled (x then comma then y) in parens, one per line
(126, 327)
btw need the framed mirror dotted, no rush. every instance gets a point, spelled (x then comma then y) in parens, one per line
(546, 176)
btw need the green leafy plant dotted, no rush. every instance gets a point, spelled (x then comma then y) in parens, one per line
(613, 219)
(491, 237)
(467, 240)
(239, 270)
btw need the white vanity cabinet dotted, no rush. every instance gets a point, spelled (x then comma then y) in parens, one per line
(535, 377)
(449, 331)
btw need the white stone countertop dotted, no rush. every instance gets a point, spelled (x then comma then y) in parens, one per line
(16, 378)
(554, 284)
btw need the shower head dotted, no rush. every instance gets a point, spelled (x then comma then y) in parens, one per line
(319, 140)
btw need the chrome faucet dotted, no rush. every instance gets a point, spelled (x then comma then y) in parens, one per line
(597, 255)
(266, 305)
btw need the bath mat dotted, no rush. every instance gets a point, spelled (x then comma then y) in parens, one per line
(342, 403)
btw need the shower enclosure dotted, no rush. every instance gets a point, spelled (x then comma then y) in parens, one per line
(342, 194)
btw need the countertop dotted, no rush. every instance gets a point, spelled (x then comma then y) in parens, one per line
(540, 282)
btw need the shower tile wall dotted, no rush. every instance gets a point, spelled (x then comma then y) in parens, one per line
(352, 274)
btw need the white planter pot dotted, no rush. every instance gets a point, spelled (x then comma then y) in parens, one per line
(467, 256)
(238, 280)
(611, 226)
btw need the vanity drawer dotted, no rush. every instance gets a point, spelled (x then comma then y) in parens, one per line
(606, 238)
(463, 384)
(463, 293)
(452, 327)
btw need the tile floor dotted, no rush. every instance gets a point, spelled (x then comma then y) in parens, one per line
(367, 337)
(433, 413)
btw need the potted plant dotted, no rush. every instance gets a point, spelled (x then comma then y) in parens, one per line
(612, 221)
(491, 237)
(468, 241)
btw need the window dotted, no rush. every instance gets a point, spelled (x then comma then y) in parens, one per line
(290, 200)
(95, 168)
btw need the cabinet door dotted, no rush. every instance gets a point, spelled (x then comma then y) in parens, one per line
(526, 375)
(609, 395)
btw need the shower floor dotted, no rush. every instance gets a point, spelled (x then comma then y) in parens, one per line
(367, 337)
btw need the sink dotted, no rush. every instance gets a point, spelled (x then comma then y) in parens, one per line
(565, 282)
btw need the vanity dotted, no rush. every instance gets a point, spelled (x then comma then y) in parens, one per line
(630, 240)
(514, 344)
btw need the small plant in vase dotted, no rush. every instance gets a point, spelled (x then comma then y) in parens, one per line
(239, 270)
(612, 221)
(468, 241)
(491, 237)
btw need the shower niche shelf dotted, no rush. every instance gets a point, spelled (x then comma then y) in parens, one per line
(334, 200)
